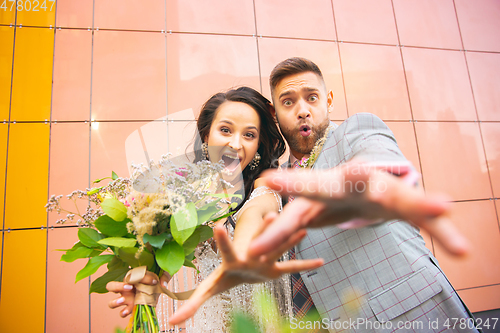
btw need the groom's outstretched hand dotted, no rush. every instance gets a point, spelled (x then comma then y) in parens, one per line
(355, 195)
(237, 268)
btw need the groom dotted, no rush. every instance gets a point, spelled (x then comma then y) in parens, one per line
(377, 275)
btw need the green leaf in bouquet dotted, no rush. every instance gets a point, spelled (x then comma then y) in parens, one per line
(110, 227)
(92, 266)
(99, 284)
(156, 240)
(189, 263)
(243, 323)
(170, 257)
(201, 234)
(184, 222)
(116, 263)
(77, 252)
(118, 242)
(90, 237)
(95, 190)
(127, 254)
(114, 176)
(114, 209)
(206, 212)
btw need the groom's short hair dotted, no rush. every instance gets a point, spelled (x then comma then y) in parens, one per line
(292, 66)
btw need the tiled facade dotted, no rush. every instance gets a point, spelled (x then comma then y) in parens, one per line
(79, 77)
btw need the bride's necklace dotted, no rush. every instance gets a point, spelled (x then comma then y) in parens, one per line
(318, 146)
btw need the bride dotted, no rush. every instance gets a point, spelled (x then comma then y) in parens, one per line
(236, 127)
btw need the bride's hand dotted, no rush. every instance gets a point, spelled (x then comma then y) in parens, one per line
(127, 292)
(239, 268)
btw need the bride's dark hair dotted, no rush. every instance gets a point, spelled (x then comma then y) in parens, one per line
(271, 143)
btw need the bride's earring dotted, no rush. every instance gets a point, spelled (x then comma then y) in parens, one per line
(255, 161)
(204, 150)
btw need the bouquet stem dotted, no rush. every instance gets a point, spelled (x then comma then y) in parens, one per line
(144, 320)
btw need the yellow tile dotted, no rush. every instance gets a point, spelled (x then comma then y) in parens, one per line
(32, 82)
(40, 13)
(7, 12)
(6, 52)
(23, 281)
(3, 160)
(27, 176)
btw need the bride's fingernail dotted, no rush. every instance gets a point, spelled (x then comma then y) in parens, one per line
(120, 300)
(165, 284)
(154, 282)
(125, 312)
(128, 287)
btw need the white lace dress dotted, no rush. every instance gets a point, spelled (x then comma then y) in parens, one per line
(214, 315)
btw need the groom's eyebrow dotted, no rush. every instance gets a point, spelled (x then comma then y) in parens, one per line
(290, 92)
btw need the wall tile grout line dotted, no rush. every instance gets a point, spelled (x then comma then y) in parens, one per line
(340, 60)
(7, 156)
(48, 175)
(90, 144)
(477, 113)
(257, 44)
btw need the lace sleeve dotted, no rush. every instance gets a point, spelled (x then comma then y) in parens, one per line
(257, 192)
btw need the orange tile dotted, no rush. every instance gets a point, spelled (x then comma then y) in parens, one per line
(74, 14)
(27, 176)
(453, 160)
(427, 23)
(128, 76)
(479, 24)
(199, 66)
(129, 15)
(439, 84)
(491, 139)
(482, 299)
(23, 281)
(216, 16)
(374, 81)
(104, 319)
(69, 164)
(108, 149)
(71, 83)
(181, 136)
(148, 142)
(405, 136)
(8, 16)
(299, 19)
(324, 54)
(378, 25)
(36, 13)
(67, 302)
(480, 267)
(32, 82)
(484, 70)
(6, 54)
(3, 160)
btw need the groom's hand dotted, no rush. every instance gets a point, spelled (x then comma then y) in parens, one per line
(355, 195)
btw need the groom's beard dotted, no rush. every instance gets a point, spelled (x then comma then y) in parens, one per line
(304, 145)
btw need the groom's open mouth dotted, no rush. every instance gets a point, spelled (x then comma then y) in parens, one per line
(231, 161)
(305, 130)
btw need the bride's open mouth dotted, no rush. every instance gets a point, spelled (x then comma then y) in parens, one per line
(231, 162)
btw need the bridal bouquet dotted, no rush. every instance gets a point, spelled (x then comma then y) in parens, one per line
(152, 221)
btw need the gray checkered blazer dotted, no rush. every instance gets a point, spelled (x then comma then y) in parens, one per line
(378, 278)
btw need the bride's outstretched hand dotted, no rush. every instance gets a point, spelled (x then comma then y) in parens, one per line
(237, 268)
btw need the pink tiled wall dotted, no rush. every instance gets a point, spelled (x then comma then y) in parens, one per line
(78, 81)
